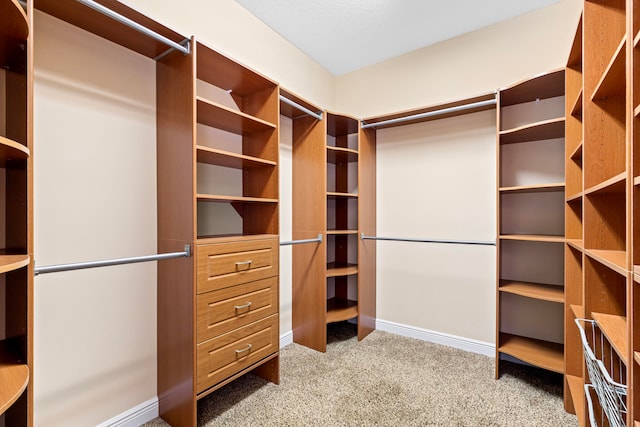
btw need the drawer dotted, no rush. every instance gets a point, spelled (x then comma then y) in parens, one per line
(227, 309)
(221, 357)
(220, 265)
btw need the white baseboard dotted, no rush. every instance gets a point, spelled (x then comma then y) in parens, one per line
(454, 341)
(136, 416)
(286, 339)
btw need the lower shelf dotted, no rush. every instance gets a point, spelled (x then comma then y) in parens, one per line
(544, 354)
(339, 309)
(576, 388)
(13, 382)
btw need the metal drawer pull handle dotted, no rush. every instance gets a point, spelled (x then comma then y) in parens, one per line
(242, 263)
(243, 306)
(244, 350)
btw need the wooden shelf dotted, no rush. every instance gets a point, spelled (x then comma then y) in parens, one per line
(636, 357)
(543, 354)
(612, 82)
(576, 243)
(229, 159)
(14, 379)
(575, 197)
(204, 240)
(14, 28)
(578, 311)
(616, 184)
(546, 129)
(341, 155)
(539, 291)
(232, 199)
(333, 194)
(576, 154)
(576, 387)
(538, 188)
(339, 309)
(636, 180)
(636, 111)
(13, 262)
(334, 269)
(615, 329)
(549, 85)
(636, 39)
(218, 116)
(338, 232)
(576, 109)
(533, 238)
(636, 273)
(11, 150)
(615, 260)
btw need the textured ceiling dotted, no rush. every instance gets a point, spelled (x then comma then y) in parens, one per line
(345, 35)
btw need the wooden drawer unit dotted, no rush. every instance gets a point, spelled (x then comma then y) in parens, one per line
(227, 309)
(221, 265)
(221, 357)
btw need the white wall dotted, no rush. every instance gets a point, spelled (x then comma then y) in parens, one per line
(95, 198)
(436, 180)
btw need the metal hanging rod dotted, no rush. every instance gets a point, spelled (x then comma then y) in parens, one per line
(105, 263)
(299, 242)
(406, 239)
(184, 48)
(431, 113)
(300, 107)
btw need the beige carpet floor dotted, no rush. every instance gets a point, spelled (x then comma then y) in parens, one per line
(387, 380)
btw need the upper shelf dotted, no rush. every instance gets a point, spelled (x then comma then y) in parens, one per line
(548, 85)
(13, 262)
(14, 28)
(546, 129)
(225, 73)
(341, 125)
(11, 150)
(612, 82)
(341, 155)
(97, 23)
(533, 238)
(216, 115)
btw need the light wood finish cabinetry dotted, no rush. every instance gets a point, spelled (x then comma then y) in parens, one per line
(16, 199)
(531, 188)
(218, 191)
(333, 195)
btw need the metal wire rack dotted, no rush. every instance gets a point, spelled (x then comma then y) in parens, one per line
(611, 394)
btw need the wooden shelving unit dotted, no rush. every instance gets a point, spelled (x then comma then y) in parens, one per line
(333, 195)
(531, 196)
(16, 201)
(633, 129)
(217, 191)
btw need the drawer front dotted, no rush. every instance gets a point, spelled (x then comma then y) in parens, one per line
(227, 309)
(221, 265)
(232, 352)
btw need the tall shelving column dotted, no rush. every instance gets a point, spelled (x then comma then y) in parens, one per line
(218, 314)
(606, 203)
(633, 67)
(16, 234)
(531, 192)
(574, 400)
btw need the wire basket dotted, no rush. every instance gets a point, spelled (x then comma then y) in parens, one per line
(612, 395)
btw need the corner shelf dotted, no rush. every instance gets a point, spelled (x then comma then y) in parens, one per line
(13, 262)
(15, 26)
(340, 309)
(233, 199)
(546, 129)
(335, 269)
(12, 150)
(334, 194)
(14, 379)
(538, 188)
(541, 291)
(341, 155)
(545, 354)
(533, 238)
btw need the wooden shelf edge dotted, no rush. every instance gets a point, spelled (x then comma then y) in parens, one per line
(530, 126)
(576, 108)
(537, 188)
(540, 291)
(226, 110)
(533, 238)
(13, 262)
(231, 199)
(577, 152)
(615, 184)
(576, 243)
(204, 240)
(334, 270)
(578, 311)
(339, 310)
(543, 354)
(614, 260)
(636, 180)
(614, 327)
(575, 197)
(228, 158)
(10, 149)
(14, 379)
(636, 357)
(338, 232)
(616, 65)
(337, 194)
(636, 111)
